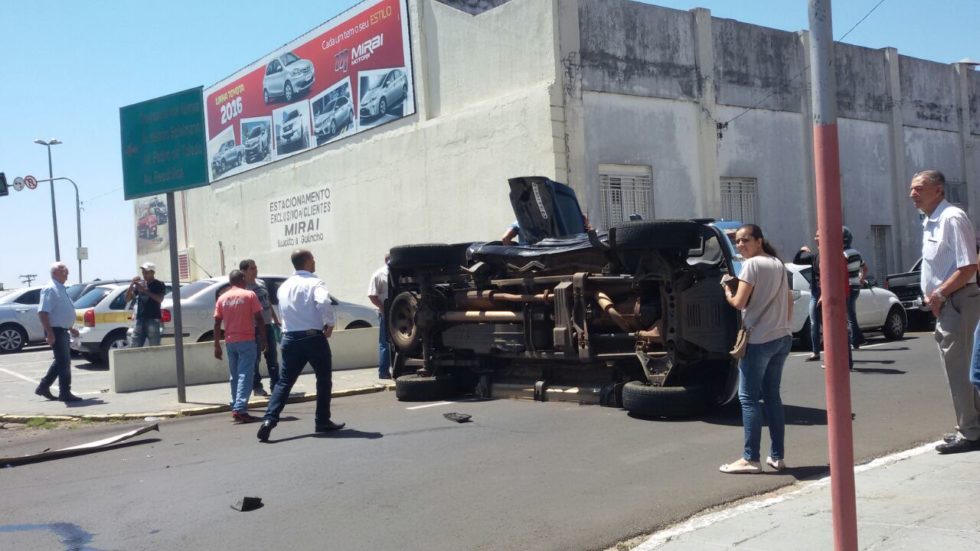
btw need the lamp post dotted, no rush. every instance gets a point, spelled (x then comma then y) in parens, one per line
(78, 220)
(54, 212)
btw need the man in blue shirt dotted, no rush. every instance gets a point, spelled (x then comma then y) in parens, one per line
(57, 315)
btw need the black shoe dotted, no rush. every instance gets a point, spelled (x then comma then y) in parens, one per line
(45, 392)
(949, 437)
(329, 426)
(959, 445)
(259, 391)
(70, 398)
(812, 358)
(265, 430)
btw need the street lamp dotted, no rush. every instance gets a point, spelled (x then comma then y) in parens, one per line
(54, 212)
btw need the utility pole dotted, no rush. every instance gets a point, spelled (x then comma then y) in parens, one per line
(26, 279)
(826, 159)
(54, 211)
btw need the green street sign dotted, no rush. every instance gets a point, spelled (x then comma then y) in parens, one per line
(163, 145)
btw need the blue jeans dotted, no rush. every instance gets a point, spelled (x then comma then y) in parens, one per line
(297, 351)
(975, 364)
(241, 365)
(384, 363)
(816, 323)
(856, 337)
(146, 330)
(271, 358)
(761, 370)
(61, 367)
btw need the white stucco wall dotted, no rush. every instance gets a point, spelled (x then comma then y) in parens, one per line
(437, 176)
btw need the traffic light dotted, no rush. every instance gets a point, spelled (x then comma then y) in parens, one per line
(3, 185)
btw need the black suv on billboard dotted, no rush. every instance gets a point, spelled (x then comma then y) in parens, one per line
(632, 318)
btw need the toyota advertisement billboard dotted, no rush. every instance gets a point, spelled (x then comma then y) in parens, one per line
(350, 74)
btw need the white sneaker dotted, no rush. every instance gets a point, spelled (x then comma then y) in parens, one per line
(776, 464)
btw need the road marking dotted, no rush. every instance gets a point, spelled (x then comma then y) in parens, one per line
(703, 521)
(19, 376)
(863, 346)
(437, 404)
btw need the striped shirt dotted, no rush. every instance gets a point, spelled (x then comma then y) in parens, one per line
(948, 243)
(854, 267)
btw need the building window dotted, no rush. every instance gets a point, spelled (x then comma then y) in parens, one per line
(957, 194)
(882, 259)
(738, 199)
(624, 190)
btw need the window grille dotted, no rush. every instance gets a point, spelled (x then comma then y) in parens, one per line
(882, 259)
(738, 199)
(624, 190)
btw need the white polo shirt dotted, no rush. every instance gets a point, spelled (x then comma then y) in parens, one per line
(378, 287)
(948, 243)
(304, 303)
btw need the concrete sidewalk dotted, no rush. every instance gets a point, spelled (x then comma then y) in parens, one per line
(915, 499)
(201, 399)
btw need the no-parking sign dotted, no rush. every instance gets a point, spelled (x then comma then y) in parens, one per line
(30, 182)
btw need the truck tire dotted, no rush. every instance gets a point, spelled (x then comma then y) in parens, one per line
(402, 329)
(645, 400)
(413, 388)
(427, 255)
(658, 234)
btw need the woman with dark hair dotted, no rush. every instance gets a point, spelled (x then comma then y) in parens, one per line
(762, 293)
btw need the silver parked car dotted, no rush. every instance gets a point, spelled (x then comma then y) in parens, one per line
(197, 302)
(19, 324)
(228, 155)
(286, 76)
(337, 115)
(391, 90)
(293, 130)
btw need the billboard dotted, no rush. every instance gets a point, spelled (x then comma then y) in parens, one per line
(352, 73)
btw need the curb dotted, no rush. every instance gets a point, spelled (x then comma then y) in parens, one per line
(206, 410)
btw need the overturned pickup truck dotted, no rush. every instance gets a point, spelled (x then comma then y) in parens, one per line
(635, 318)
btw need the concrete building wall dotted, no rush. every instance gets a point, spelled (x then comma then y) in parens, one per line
(929, 94)
(756, 67)
(862, 83)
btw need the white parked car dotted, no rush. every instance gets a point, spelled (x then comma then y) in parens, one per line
(878, 309)
(19, 324)
(197, 300)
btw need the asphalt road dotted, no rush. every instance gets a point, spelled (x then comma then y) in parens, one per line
(520, 476)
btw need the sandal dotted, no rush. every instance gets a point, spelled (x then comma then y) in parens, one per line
(776, 464)
(741, 466)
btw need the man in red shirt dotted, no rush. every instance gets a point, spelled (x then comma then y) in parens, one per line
(241, 312)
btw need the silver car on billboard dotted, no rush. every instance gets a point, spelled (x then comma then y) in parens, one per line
(285, 76)
(390, 91)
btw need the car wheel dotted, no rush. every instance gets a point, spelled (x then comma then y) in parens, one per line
(332, 129)
(288, 92)
(894, 327)
(658, 234)
(115, 341)
(265, 95)
(382, 107)
(402, 329)
(414, 388)
(428, 255)
(13, 338)
(645, 400)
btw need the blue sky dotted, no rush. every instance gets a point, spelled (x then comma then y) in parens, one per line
(71, 65)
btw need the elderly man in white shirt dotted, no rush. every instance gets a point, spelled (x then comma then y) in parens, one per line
(307, 322)
(949, 269)
(378, 294)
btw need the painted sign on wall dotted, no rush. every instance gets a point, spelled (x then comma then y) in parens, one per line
(351, 73)
(301, 219)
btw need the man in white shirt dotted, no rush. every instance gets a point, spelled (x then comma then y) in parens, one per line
(949, 268)
(378, 294)
(307, 322)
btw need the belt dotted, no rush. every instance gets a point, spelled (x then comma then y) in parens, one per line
(60, 328)
(303, 333)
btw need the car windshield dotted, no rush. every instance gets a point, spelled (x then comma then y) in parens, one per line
(255, 132)
(289, 58)
(92, 297)
(291, 115)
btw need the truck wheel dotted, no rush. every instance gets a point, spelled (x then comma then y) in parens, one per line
(428, 255)
(413, 388)
(402, 329)
(645, 400)
(894, 327)
(658, 234)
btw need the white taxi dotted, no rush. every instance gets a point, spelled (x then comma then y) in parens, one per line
(102, 317)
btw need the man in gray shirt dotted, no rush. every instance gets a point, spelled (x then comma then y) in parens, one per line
(57, 314)
(257, 286)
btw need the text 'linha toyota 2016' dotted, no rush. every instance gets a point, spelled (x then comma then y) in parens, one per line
(632, 318)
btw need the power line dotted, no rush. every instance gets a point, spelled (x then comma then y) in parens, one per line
(861, 20)
(89, 200)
